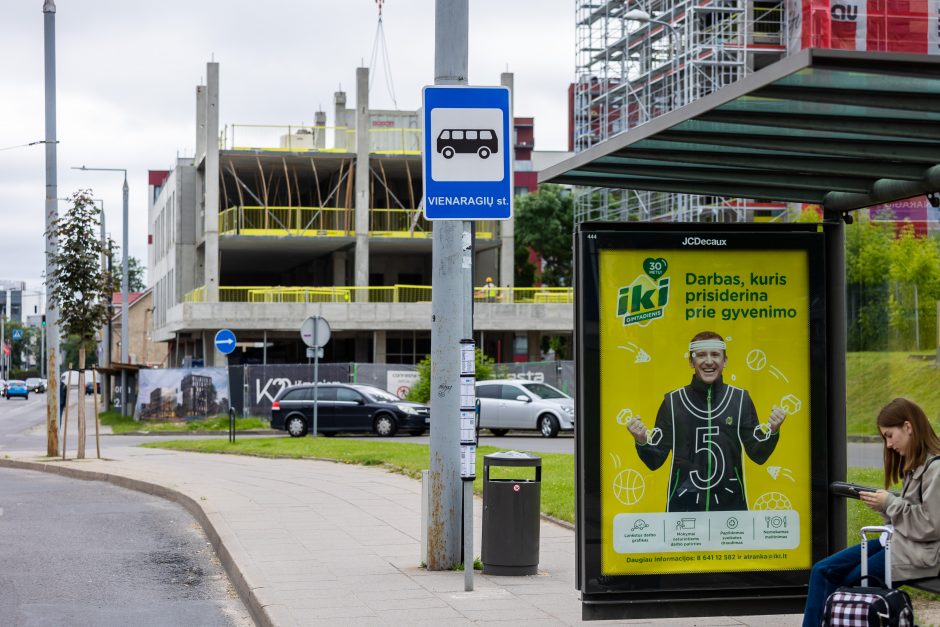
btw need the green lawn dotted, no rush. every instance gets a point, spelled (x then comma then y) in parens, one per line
(127, 424)
(873, 379)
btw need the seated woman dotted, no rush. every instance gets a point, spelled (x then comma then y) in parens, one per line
(910, 444)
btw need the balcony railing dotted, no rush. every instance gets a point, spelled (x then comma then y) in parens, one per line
(390, 294)
(332, 222)
(328, 139)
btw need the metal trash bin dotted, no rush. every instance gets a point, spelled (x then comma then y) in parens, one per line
(511, 515)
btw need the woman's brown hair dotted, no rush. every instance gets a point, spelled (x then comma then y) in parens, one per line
(923, 438)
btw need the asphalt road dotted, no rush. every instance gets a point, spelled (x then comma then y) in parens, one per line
(90, 553)
(22, 427)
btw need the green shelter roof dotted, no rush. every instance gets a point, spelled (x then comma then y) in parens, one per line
(842, 129)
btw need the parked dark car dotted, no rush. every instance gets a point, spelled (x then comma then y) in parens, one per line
(347, 409)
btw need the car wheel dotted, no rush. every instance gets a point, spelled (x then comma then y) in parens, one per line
(385, 425)
(499, 432)
(548, 425)
(483, 152)
(296, 427)
(448, 152)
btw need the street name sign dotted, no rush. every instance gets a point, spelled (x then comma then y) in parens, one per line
(467, 153)
(225, 341)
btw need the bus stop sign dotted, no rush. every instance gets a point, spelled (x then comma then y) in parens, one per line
(467, 153)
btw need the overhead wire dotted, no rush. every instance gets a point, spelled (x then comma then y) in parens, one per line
(377, 43)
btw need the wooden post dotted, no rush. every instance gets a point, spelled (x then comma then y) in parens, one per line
(65, 418)
(94, 386)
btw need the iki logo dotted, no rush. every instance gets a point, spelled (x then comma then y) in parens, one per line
(645, 299)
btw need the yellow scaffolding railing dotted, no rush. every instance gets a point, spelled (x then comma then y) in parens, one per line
(283, 221)
(332, 139)
(332, 222)
(389, 294)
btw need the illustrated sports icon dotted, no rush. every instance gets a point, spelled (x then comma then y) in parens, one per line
(629, 486)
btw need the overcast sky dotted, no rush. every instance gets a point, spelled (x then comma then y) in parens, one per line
(127, 73)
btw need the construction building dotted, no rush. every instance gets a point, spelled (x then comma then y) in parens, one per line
(268, 225)
(639, 60)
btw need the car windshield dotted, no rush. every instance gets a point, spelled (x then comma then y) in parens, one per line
(378, 394)
(543, 390)
(17, 383)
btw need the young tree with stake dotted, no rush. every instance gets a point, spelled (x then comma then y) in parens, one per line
(80, 287)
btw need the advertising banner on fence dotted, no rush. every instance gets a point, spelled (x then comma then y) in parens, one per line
(702, 391)
(169, 394)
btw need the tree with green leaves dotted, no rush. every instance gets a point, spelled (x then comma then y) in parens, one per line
(420, 392)
(135, 274)
(544, 223)
(80, 287)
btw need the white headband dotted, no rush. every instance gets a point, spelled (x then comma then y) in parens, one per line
(706, 345)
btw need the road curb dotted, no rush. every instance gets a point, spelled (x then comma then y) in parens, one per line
(246, 591)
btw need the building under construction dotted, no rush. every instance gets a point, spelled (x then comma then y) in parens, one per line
(268, 225)
(638, 60)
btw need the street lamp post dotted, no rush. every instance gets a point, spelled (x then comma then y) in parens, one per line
(639, 15)
(124, 278)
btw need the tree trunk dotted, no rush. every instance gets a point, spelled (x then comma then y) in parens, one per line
(81, 402)
(52, 405)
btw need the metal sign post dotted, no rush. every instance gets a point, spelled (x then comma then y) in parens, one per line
(315, 332)
(467, 176)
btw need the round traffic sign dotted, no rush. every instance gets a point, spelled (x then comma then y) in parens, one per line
(315, 331)
(225, 341)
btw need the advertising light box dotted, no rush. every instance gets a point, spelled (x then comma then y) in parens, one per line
(701, 387)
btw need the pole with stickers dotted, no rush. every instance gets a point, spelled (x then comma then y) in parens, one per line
(468, 450)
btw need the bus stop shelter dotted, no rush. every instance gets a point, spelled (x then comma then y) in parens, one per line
(840, 129)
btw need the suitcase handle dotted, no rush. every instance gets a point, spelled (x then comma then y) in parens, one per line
(876, 529)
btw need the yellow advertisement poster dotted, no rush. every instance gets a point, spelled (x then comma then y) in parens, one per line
(704, 411)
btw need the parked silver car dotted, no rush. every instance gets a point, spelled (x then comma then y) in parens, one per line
(513, 404)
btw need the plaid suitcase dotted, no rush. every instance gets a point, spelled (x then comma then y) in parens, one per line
(864, 606)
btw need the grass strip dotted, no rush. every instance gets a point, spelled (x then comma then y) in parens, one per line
(127, 424)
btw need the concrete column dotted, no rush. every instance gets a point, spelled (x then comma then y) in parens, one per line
(319, 122)
(534, 341)
(378, 347)
(200, 122)
(339, 115)
(339, 267)
(362, 177)
(212, 183)
(507, 228)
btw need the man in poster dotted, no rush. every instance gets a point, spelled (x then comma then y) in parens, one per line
(706, 424)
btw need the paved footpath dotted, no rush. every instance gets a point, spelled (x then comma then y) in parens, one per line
(320, 543)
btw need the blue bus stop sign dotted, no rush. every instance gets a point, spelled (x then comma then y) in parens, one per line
(225, 341)
(467, 153)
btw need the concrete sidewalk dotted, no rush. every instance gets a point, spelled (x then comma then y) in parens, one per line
(319, 543)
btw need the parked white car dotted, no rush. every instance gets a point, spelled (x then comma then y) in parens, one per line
(514, 404)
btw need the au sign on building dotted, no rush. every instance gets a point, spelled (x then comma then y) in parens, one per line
(702, 451)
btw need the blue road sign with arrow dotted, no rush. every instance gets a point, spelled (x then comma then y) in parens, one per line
(225, 341)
